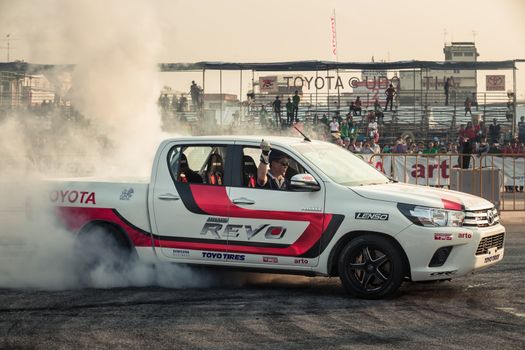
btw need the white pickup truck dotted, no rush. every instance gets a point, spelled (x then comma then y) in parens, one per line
(339, 216)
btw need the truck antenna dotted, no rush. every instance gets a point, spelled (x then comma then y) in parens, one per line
(306, 138)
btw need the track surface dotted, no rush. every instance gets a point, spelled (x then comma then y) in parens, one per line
(482, 311)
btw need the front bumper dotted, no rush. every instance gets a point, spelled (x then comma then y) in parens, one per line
(471, 249)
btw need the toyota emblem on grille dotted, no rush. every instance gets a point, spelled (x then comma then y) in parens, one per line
(490, 217)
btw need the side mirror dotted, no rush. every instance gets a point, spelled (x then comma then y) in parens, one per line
(304, 182)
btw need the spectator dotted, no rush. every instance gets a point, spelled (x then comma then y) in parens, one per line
(510, 111)
(468, 106)
(376, 149)
(276, 105)
(324, 119)
(352, 128)
(521, 129)
(452, 148)
(386, 149)
(334, 126)
(174, 103)
(390, 92)
(357, 104)
(494, 148)
(195, 95)
(183, 103)
(346, 143)
(431, 148)
(467, 138)
(483, 147)
(372, 130)
(447, 89)
(475, 101)
(289, 111)
(379, 112)
(494, 131)
(420, 147)
(164, 102)
(345, 132)
(367, 149)
(400, 146)
(412, 149)
(353, 108)
(263, 115)
(481, 131)
(296, 100)
(358, 147)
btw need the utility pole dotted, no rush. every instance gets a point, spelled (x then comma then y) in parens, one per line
(8, 39)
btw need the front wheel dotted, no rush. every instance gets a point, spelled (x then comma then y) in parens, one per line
(371, 267)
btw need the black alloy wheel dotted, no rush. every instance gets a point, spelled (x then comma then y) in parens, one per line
(371, 267)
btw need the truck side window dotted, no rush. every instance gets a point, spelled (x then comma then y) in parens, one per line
(249, 167)
(202, 164)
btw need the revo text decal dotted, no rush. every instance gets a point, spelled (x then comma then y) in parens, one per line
(220, 230)
(82, 197)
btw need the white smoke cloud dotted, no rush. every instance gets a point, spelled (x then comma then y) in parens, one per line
(114, 46)
(114, 86)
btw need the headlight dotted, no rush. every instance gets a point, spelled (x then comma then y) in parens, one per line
(432, 217)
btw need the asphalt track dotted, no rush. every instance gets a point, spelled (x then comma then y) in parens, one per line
(482, 311)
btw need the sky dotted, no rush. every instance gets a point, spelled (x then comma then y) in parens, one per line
(45, 31)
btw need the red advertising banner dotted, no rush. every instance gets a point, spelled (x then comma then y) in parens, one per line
(268, 84)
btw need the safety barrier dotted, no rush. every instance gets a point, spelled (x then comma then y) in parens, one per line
(498, 177)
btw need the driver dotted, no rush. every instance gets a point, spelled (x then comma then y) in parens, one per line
(272, 168)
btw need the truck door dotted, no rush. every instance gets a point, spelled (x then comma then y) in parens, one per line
(280, 227)
(188, 220)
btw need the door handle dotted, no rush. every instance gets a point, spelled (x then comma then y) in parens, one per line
(243, 200)
(168, 197)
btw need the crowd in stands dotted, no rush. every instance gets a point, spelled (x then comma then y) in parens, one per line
(472, 139)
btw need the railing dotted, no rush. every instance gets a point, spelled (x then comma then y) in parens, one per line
(500, 177)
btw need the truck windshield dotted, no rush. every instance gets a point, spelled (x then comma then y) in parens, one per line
(340, 165)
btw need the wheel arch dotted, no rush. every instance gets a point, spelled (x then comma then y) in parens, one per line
(115, 229)
(347, 237)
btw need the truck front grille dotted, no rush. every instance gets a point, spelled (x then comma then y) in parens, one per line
(481, 218)
(490, 242)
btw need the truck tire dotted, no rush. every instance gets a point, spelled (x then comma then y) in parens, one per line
(371, 267)
(100, 247)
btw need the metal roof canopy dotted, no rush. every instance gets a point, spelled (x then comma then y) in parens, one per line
(30, 68)
(328, 65)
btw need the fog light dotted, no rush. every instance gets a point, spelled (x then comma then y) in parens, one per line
(440, 256)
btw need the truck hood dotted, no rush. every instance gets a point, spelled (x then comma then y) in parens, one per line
(422, 195)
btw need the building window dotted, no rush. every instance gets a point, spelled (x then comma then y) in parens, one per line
(469, 53)
(456, 71)
(448, 56)
(458, 54)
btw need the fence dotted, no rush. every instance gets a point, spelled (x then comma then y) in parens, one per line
(436, 171)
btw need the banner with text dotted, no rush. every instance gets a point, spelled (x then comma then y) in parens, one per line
(435, 171)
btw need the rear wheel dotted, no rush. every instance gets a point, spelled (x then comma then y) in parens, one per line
(371, 267)
(100, 249)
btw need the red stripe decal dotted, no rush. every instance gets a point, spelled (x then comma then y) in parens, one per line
(215, 201)
(451, 205)
(76, 217)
